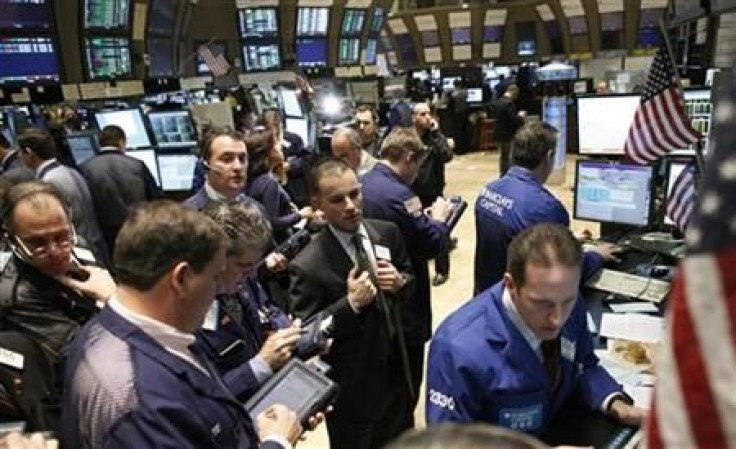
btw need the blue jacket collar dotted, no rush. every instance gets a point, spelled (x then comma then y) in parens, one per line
(523, 174)
(388, 171)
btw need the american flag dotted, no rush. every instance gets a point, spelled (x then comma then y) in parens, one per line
(695, 397)
(681, 199)
(218, 65)
(660, 124)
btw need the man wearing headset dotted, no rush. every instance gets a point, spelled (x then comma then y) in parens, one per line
(35, 297)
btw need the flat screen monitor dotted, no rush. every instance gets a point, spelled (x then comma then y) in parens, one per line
(430, 38)
(353, 21)
(83, 146)
(475, 95)
(177, 171)
(298, 126)
(379, 15)
(173, 129)
(148, 157)
(578, 25)
(161, 17)
(290, 103)
(28, 59)
(650, 38)
(448, 82)
(370, 51)
(492, 33)
(261, 57)
(526, 38)
(131, 121)
(349, 51)
(406, 49)
(161, 53)
(699, 108)
(604, 122)
(311, 52)
(108, 57)
(107, 14)
(258, 22)
(312, 21)
(461, 36)
(25, 15)
(613, 192)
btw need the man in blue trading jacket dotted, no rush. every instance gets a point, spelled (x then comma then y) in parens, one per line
(512, 355)
(135, 376)
(387, 196)
(519, 200)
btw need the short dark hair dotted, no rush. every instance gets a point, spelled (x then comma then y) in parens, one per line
(542, 244)
(32, 191)
(39, 141)
(401, 141)
(4, 143)
(260, 145)
(242, 222)
(532, 143)
(465, 436)
(213, 133)
(158, 235)
(368, 108)
(325, 167)
(111, 136)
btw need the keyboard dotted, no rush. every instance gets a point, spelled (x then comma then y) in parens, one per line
(671, 248)
(631, 285)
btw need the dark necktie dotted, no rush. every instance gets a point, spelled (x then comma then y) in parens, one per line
(365, 265)
(551, 362)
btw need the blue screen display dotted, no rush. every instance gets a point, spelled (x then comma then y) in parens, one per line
(311, 52)
(492, 34)
(461, 36)
(28, 59)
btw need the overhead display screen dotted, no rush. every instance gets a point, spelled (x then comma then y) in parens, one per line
(107, 57)
(311, 52)
(370, 51)
(108, 14)
(379, 16)
(161, 18)
(349, 51)
(261, 57)
(312, 21)
(353, 21)
(258, 22)
(25, 14)
(28, 59)
(160, 50)
(461, 36)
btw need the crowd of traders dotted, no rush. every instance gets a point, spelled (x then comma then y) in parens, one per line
(108, 292)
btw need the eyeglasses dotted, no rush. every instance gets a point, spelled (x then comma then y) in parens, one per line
(42, 248)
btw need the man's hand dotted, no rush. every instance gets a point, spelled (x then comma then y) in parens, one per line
(279, 346)
(278, 420)
(306, 212)
(440, 210)
(389, 278)
(99, 286)
(627, 414)
(607, 250)
(276, 262)
(361, 290)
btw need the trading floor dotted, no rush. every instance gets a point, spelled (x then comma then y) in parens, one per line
(466, 175)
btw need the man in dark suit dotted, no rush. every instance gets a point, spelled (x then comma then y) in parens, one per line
(38, 152)
(357, 270)
(117, 182)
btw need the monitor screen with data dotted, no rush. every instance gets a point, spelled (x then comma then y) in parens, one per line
(613, 192)
(148, 157)
(83, 146)
(173, 129)
(603, 123)
(28, 60)
(131, 121)
(177, 171)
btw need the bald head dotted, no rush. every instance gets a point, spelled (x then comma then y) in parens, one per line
(346, 145)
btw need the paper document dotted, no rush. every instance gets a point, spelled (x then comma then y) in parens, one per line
(634, 307)
(632, 327)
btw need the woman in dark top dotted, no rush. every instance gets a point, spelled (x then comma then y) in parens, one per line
(265, 163)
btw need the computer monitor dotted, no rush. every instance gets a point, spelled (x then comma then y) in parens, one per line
(699, 107)
(25, 15)
(27, 60)
(352, 22)
(312, 21)
(258, 22)
(492, 33)
(161, 53)
(161, 17)
(349, 52)
(173, 129)
(370, 51)
(148, 157)
(298, 126)
(108, 57)
(83, 146)
(611, 192)
(475, 95)
(604, 122)
(106, 14)
(448, 82)
(461, 36)
(379, 15)
(290, 102)
(526, 38)
(177, 171)
(311, 52)
(261, 57)
(430, 38)
(131, 121)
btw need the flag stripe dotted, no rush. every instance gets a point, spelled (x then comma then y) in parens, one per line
(664, 119)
